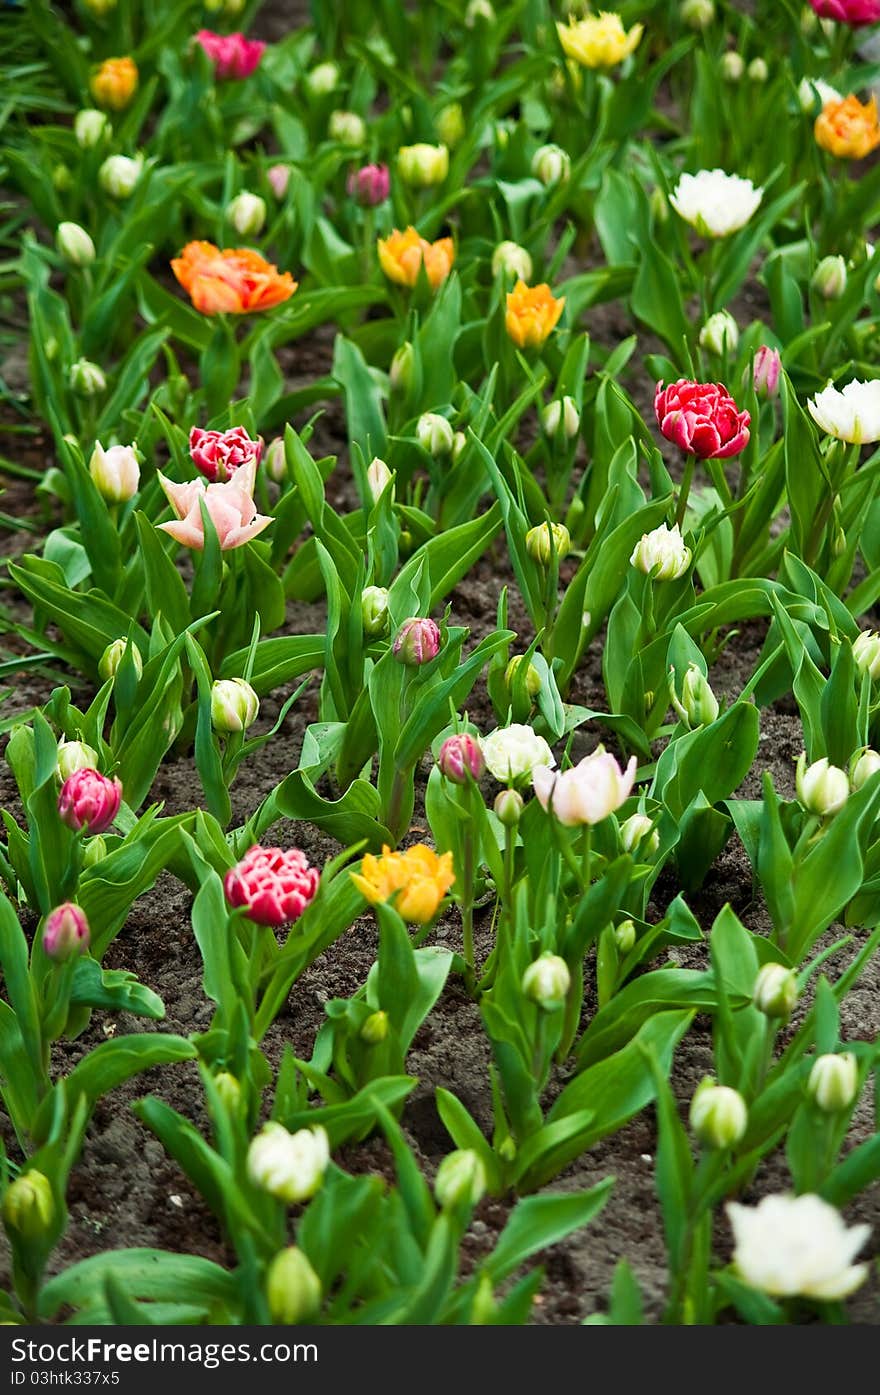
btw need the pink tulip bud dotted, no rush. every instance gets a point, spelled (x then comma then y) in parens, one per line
(766, 367)
(89, 801)
(279, 178)
(461, 756)
(218, 454)
(232, 55)
(274, 884)
(66, 932)
(417, 642)
(369, 185)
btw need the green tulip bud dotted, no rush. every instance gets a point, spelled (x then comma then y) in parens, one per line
(461, 1179)
(29, 1206)
(718, 1115)
(293, 1289)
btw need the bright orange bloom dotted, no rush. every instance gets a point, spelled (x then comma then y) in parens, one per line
(848, 129)
(401, 255)
(236, 281)
(532, 313)
(419, 876)
(115, 83)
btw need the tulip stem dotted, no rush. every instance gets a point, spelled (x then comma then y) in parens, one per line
(684, 489)
(587, 856)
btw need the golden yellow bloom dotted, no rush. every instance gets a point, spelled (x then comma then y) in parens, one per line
(532, 312)
(849, 128)
(419, 876)
(115, 83)
(402, 253)
(599, 41)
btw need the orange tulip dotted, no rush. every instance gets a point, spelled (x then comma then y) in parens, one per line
(848, 129)
(532, 312)
(419, 878)
(401, 255)
(115, 83)
(236, 281)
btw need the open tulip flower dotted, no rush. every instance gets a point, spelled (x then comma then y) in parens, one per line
(715, 203)
(218, 454)
(235, 281)
(598, 41)
(417, 879)
(230, 507)
(403, 254)
(114, 83)
(274, 885)
(586, 793)
(532, 314)
(848, 129)
(854, 12)
(232, 55)
(851, 413)
(702, 418)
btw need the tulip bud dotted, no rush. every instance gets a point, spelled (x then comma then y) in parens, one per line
(698, 706)
(551, 164)
(28, 1206)
(625, 936)
(74, 244)
(422, 166)
(323, 79)
(369, 186)
(66, 932)
(400, 372)
(834, 1082)
(775, 992)
(546, 982)
(508, 807)
(459, 446)
(88, 801)
(732, 66)
(378, 478)
(758, 70)
(866, 653)
(234, 705)
(547, 539)
(450, 124)
(565, 412)
(766, 368)
(90, 126)
(434, 434)
(118, 176)
(662, 553)
(276, 461)
(416, 642)
(229, 1090)
(247, 214)
(288, 1166)
(720, 334)
(87, 379)
(461, 758)
(461, 1179)
(375, 1029)
(347, 128)
(809, 21)
(73, 756)
(823, 789)
(279, 179)
(478, 12)
(829, 278)
(95, 851)
(374, 610)
(293, 1289)
(116, 472)
(509, 259)
(637, 830)
(533, 677)
(718, 1115)
(697, 14)
(100, 8)
(863, 765)
(112, 657)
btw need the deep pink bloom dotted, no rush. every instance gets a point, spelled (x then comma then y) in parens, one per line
(89, 801)
(416, 642)
(66, 932)
(233, 55)
(218, 454)
(230, 506)
(848, 11)
(274, 884)
(702, 418)
(369, 185)
(766, 367)
(461, 756)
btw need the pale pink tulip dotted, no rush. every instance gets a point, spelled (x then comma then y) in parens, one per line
(230, 506)
(588, 792)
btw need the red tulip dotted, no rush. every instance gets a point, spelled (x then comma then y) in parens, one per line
(218, 454)
(273, 884)
(702, 418)
(233, 55)
(848, 11)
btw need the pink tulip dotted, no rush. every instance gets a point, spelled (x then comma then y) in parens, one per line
(461, 756)
(848, 11)
(416, 642)
(279, 178)
(230, 506)
(66, 932)
(233, 55)
(218, 454)
(702, 418)
(766, 367)
(274, 884)
(89, 801)
(588, 792)
(369, 185)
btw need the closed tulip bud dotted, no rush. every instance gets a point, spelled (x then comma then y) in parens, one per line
(478, 12)
(416, 642)
(74, 244)
(564, 413)
(100, 8)
(87, 379)
(829, 278)
(461, 758)
(775, 992)
(113, 655)
(73, 756)
(766, 369)
(546, 540)
(400, 372)
(119, 175)
(551, 164)
(822, 789)
(88, 801)
(533, 677)
(434, 434)
(638, 832)
(834, 1082)
(66, 933)
(422, 166)
(732, 66)
(450, 124)
(234, 705)
(546, 982)
(293, 1289)
(508, 807)
(809, 21)
(461, 1179)
(347, 128)
(62, 179)
(720, 334)
(758, 70)
(697, 14)
(863, 765)
(698, 706)
(233, 8)
(323, 79)
(229, 1090)
(378, 478)
(90, 126)
(459, 446)
(276, 461)
(511, 260)
(662, 553)
(279, 179)
(289, 1166)
(374, 610)
(95, 851)
(247, 214)
(28, 1206)
(866, 653)
(718, 1115)
(116, 472)
(375, 1029)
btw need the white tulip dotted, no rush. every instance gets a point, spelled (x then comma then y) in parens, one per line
(434, 434)
(565, 411)
(74, 244)
(116, 472)
(118, 176)
(866, 652)
(547, 981)
(797, 1245)
(822, 788)
(720, 333)
(247, 214)
(715, 203)
(849, 414)
(834, 1081)
(512, 260)
(512, 753)
(290, 1166)
(664, 549)
(813, 94)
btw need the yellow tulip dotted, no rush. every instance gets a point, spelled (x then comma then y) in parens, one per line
(114, 84)
(418, 878)
(532, 313)
(599, 41)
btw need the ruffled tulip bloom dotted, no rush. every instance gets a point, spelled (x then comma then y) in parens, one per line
(114, 84)
(66, 932)
(662, 553)
(599, 41)
(460, 757)
(370, 185)
(849, 414)
(532, 314)
(715, 203)
(218, 454)
(514, 752)
(88, 802)
(588, 792)
(235, 281)
(402, 254)
(702, 418)
(850, 129)
(232, 55)
(274, 885)
(417, 642)
(289, 1166)
(853, 12)
(230, 506)
(791, 1246)
(418, 877)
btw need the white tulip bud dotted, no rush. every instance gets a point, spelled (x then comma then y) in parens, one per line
(118, 176)
(374, 610)
(814, 94)
(434, 434)
(478, 11)
(247, 214)
(293, 1289)
(697, 14)
(74, 244)
(290, 1166)
(718, 1115)
(90, 126)
(323, 79)
(461, 1179)
(112, 657)
(822, 788)
(720, 334)
(662, 552)
(564, 411)
(829, 278)
(347, 128)
(863, 765)
(116, 472)
(866, 653)
(74, 756)
(625, 936)
(638, 831)
(698, 706)
(551, 164)
(459, 446)
(834, 1082)
(732, 66)
(276, 461)
(422, 166)
(546, 982)
(758, 70)
(509, 259)
(775, 992)
(378, 478)
(86, 378)
(234, 705)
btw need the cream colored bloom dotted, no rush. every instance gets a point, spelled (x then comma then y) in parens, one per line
(664, 549)
(797, 1245)
(290, 1166)
(599, 41)
(514, 752)
(715, 203)
(849, 414)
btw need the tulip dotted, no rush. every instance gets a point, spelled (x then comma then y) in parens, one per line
(370, 185)
(461, 759)
(822, 789)
(829, 278)
(273, 885)
(509, 259)
(403, 254)
(293, 1289)
(66, 932)
(378, 478)
(533, 678)
(698, 706)
(114, 83)
(813, 93)
(508, 807)
(848, 129)
(218, 454)
(374, 610)
(29, 1206)
(720, 334)
(422, 166)
(662, 554)
(417, 642)
(551, 164)
(564, 412)
(863, 766)
(732, 66)
(230, 507)
(758, 70)
(478, 12)
(232, 55)
(461, 1179)
(279, 179)
(546, 982)
(289, 1166)
(400, 372)
(323, 79)
(229, 1090)
(546, 541)
(849, 414)
(375, 1029)
(347, 128)
(116, 472)
(513, 753)
(791, 1246)
(74, 756)
(766, 370)
(532, 314)
(775, 992)
(74, 244)
(450, 124)
(119, 175)
(701, 418)
(599, 41)
(234, 705)
(113, 655)
(697, 14)
(625, 936)
(586, 793)
(718, 1115)
(418, 879)
(833, 1084)
(86, 378)
(276, 461)
(236, 281)
(855, 12)
(434, 434)
(89, 802)
(90, 127)
(459, 446)
(637, 830)
(247, 214)
(715, 203)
